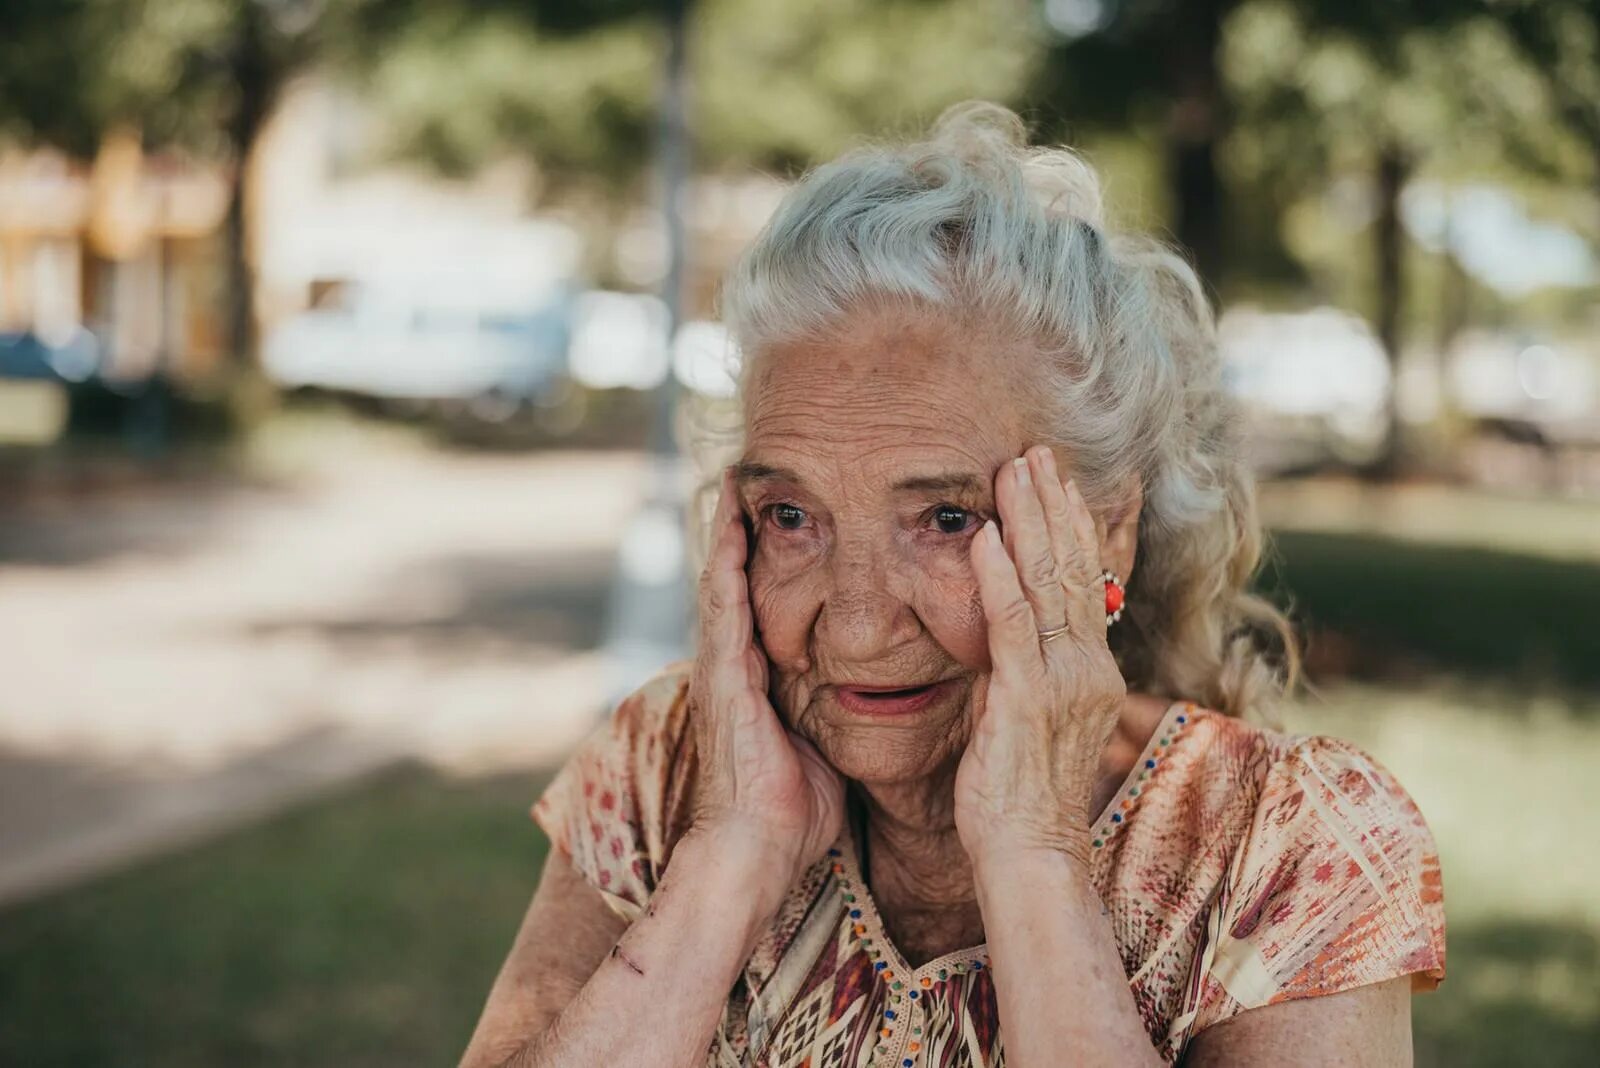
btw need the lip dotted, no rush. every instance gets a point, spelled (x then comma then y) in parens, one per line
(888, 701)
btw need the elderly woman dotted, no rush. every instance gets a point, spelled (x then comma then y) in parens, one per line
(966, 762)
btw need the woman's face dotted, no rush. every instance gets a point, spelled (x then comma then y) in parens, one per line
(868, 468)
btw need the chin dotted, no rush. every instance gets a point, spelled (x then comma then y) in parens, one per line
(878, 749)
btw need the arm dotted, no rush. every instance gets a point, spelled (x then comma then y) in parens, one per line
(572, 993)
(1050, 947)
(767, 805)
(1022, 791)
(1367, 1027)
(565, 935)
(1043, 911)
(1022, 809)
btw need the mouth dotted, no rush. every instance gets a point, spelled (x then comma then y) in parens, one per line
(891, 700)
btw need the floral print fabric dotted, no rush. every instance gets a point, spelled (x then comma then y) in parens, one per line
(1240, 867)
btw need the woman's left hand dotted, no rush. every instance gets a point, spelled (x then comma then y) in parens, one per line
(1050, 707)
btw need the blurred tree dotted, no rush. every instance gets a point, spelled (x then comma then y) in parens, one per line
(1324, 96)
(202, 74)
(776, 83)
(1561, 39)
(1115, 65)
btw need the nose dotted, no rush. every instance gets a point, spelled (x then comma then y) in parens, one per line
(863, 615)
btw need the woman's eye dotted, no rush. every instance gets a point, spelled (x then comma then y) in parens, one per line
(787, 517)
(951, 520)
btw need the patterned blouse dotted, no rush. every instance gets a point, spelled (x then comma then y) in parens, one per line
(1241, 867)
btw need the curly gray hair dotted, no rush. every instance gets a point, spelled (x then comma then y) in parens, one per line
(974, 219)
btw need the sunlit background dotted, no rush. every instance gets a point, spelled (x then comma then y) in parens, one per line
(342, 348)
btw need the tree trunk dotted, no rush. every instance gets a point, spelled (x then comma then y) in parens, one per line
(253, 76)
(1195, 125)
(257, 77)
(1389, 272)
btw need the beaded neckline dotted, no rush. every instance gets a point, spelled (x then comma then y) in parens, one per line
(905, 982)
(1178, 716)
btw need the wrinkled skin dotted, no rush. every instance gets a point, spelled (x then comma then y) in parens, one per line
(872, 589)
(872, 460)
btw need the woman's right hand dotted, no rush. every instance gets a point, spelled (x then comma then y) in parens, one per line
(762, 787)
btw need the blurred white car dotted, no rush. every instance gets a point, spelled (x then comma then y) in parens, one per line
(1315, 385)
(423, 345)
(1535, 390)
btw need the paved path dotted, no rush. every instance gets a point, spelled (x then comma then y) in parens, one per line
(184, 659)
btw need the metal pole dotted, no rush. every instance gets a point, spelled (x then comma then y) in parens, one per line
(650, 622)
(673, 153)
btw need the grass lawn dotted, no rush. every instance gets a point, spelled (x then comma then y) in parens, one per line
(364, 929)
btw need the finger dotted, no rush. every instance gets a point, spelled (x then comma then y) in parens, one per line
(724, 590)
(1012, 632)
(1079, 566)
(1028, 541)
(1085, 530)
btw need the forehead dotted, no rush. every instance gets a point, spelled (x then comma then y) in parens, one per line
(890, 392)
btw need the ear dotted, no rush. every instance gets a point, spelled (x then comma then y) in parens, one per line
(1118, 528)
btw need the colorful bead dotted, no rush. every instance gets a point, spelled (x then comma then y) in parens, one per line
(888, 1014)
(913, 995)
(880, 966)
(977, 965)
(1098, 843)
(834, 853)
(1149, 763)
(855, 914)
(907, 1062)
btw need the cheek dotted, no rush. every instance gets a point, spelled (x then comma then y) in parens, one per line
(784, 606)
(949, 606)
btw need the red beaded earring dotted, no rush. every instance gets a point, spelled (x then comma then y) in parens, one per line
(1115, 597)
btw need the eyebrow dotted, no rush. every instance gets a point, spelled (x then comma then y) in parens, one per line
(953, 482)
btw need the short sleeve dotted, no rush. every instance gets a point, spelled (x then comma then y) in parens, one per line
(1335, 886)
(619, 802)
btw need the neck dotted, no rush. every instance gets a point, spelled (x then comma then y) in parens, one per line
(914, 853)
(916, 860)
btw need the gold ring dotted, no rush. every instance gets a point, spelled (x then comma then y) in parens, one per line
(1052, 633)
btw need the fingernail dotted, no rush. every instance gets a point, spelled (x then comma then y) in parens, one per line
(1072, 490)
(1049, 461)
(991, 532)
(1021, 464)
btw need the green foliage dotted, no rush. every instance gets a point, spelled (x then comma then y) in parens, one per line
(781, 86)
(775, 84)
(70, 69)
(460, 90)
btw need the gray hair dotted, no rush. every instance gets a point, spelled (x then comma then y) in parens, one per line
(974, 221)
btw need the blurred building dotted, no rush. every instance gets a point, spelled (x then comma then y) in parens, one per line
(123, 247)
